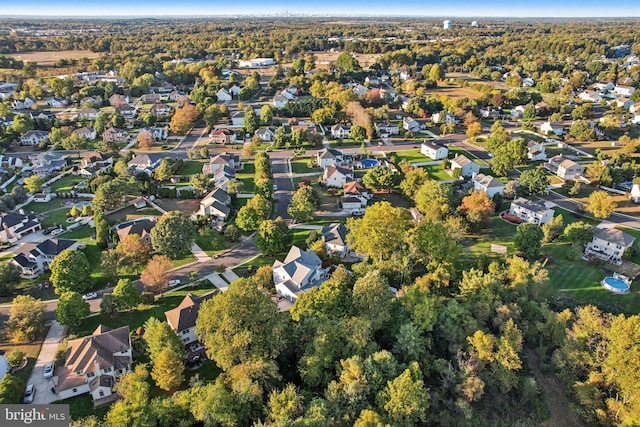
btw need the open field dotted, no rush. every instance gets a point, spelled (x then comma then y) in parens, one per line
(454, 92)
(48, 59)
(323, 59)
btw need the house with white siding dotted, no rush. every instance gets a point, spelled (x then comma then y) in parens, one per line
(530, 211)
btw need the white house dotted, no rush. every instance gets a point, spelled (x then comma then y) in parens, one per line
(224, 96)
(47, 163)
(609, 244)
(94, 363)
(215, 204)
(635, 193)
(159, 133)
(488, 184)
(528, 82)
(530, 211)
(337, 176)
(467, 167)
(182, 320)
(340, 131)
(334, 237)
(300, 271)
(127, 111)
(115, 135)
(23, 104)
(56, 102)
(88, 133)
(411, 125)
(329, 156)
(34, 258)
(433, 150)
(15, 225)
(625, 91)
(256, 62)
(145, 163)
(635, 108)
(266, 134)
(517, 111)
(604, 87)
(564, 168)
(221, 160)
(88, 113)
(34, 137)
(356, 197)
(590, 96)
(555, 128)
(93, 163)
(636, 119)
(387, 128)
(442, 117)
(624, 103)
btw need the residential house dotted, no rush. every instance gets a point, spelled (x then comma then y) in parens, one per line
(127, 111)
(625, 91)
(337, 176)
(635, 119)
(293, 90)
(300, 272)
(146, 163)
(491, 113)
(635, 193)
(280, 101)
(215, 204)
(7, 162)
(256, 62)
(234, 90)
(223, 136)
(372, 81)
(411, 125)
(23, 104)
(56, 102)
(590, 96)
(87, 133)
(41, 197)
(329, 156)
(42, 115)
(624, 103)
(405, 75)
(150, 98)
(159, 109)
(16, 224)
(223, 95)
(221, 160)
(93, 163)
(528, 82)
(308, 128)
(334, 237)
(34, 258)
(159, 133)
(517, 111)
(176, 96)
(635, 108)
(604, 87)
(222, 176)
(355, 198)
(530, 211)
(564, 168)
(94, 363)
(237, 119)
(94, 100)
(488, 184)
(48, 162)
(536, 151)
(34, 137)
(117, 100)
(467, 167)
(182, 320)
(609, 244)
(340, 131)
(442, 117)
(115, 135)
(141, 227)
(416, 215)
(552, 128)
(88, 113)
(359, 89)
(4, 365)
(266, 134)
(433, 150)
(387, 128)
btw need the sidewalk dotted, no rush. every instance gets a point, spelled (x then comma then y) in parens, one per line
(47, 354)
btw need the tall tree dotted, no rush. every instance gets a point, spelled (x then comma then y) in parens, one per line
(33, 183)
(71, 308)
(9, 278)
(126, 294)
(535, 181)
(173, 234)
(26, 319)
(70, 271)
(433, 199)
(132, 252)
(406, 400)
(477, 207)
(156, 276)
(436, 72)
(380, 178)
(303, 204)
(273, 236)
(528, 240)
(601, 204)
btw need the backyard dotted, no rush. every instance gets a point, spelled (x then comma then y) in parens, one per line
(66, 184)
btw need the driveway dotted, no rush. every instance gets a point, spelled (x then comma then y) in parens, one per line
(47, 354)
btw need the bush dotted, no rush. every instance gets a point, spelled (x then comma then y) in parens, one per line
(221, 268)
(15, 358)
(147, 298)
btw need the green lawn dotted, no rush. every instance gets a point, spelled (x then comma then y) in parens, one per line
(412, 156)
(44, 207)
(82, 406)
(247, 177)
(56, 217)
(436, 172)
(190, 167)
(300, 166)
(211, 241)
(65, 185)
(92, 252)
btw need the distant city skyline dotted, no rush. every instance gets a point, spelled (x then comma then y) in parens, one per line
(201, 8)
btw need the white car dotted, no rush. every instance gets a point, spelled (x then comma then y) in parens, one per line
(275, 187)
(57, 231)
(174, 282)
(48, 370)
(29, 394)
(90, 295)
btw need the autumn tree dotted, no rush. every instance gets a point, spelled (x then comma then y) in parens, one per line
(477, 207)
(156, 276)
(173, 234)
(166, 353)
(71, 308)
(26, 319)
(70, 271)
(413, 180)
(303, 204)
(184, 118)
(433, 199)
(405, 398)
(132, 251)
(474, 129)
(145, 139)
(601, 204)
(380, 178)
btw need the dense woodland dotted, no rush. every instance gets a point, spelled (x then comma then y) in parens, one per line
(459, 342)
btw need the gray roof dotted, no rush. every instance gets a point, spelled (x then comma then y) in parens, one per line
(54, 246)
(461, 160)
(184, 315)
(329, 153)
(615, 236)
(335, 234)
(432, 145)
(487, 181)
(530, 205)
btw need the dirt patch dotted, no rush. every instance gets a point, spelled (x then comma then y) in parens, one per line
(554, 395)
(185, 206)
(454, 92)
(48, 59)
(325, 59)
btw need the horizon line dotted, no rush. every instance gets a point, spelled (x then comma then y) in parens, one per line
(312, 15)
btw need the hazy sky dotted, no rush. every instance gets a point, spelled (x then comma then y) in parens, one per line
(462, 8)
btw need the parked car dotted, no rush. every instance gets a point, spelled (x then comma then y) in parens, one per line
(174, 282)
(29, 394)
(90, 295)
(48, 370)
(57, 231)
(275, 187)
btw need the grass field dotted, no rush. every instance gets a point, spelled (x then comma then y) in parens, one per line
(65, 185)
(300, 166)
(455, 92)
(190, 167)
(247, 177)
(131, 212)
(211, 241)
(48, 59)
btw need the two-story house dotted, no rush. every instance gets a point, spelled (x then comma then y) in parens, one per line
(48, 162)
(93, 163)
(329, 156)
(340, 131)
(564, 168)
(34, 258)
(609, 244)
(467, 167)
(159, 110)
(117, 100)
(334, 237)
(266, 134)
(536, 151)
(115, 135)
(221, 160)
(433, 150)
(411, 125)
(145, 163)
(530, 211)
(127, 111)
(141, 227)
(34, 137)
(150, 98)
(182, 320)
(336, 176)
(215, 204)
(87, 133)
(223, 136)
(300, 271)
(387, 128)
(356, 197)
(16, 224)
(488, 184)
(94, 363)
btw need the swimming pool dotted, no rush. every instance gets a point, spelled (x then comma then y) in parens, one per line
(369, 163)
(615, 285)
